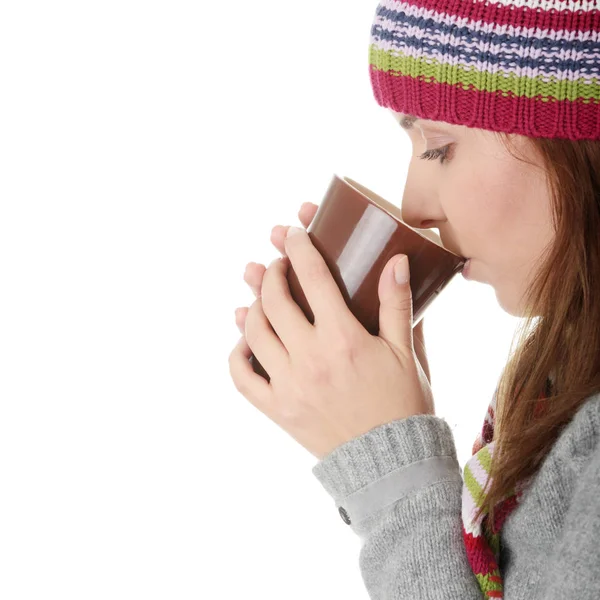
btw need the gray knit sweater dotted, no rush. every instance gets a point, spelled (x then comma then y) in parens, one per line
(399, 486)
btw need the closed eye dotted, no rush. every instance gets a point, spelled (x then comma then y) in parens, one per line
(441, 153)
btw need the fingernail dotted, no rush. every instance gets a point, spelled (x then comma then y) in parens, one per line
(401, 270)
(293, 231)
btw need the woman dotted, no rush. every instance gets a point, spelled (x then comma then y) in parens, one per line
(501, 100)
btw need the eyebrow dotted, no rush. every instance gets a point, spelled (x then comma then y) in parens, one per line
(407, 122)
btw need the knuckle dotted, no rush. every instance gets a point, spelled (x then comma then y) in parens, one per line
(249, 330)
(350, 354)
(238, 382)
(241, 388)
(234, 375)
(405, 304)
(290, 414)
(254, 311)
(294, 412)
(342, 339)
(268, 301)
(317, 370)
(345, 341)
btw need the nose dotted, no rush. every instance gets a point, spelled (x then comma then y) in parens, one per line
(427, 223)
(415, 220)
(421, 207)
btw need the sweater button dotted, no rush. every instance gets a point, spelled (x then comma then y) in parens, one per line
(344, 515)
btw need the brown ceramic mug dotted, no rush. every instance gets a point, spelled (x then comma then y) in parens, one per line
(357, 232)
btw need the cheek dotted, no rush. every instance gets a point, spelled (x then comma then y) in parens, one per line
(485, 187)
(477, 216)
(488, 207)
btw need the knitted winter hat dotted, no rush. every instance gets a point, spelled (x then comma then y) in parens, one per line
(530, 67)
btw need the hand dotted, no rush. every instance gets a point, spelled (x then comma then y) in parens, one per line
(255, 272)
(332, 381)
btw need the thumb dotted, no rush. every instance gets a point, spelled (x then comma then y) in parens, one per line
(396, 309)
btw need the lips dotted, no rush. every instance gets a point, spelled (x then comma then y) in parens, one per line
(466, 269)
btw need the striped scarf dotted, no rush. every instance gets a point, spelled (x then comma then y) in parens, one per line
(482, 546)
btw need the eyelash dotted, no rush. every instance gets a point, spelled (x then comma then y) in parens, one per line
(441, 153)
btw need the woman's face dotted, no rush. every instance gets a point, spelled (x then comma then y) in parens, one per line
(487, 205)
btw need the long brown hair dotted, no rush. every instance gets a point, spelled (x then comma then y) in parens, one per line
(560, 332)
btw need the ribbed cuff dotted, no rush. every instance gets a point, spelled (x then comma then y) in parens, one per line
(390, 461)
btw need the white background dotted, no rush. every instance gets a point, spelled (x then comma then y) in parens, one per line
(146, 151)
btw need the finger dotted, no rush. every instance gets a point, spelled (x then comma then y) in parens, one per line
(306, 214)
(418, 331)
(251, 385)
(278, 234)
(322, 293)
(262, 339)
(253, 276)
(240, 319)
(420, 348)
(286, 317)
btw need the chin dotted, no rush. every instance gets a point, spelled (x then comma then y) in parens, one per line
(511, 307)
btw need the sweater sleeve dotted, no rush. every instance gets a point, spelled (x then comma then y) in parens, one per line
(573, 569)
(399, 488)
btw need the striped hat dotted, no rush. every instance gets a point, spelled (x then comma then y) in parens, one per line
(530, 67)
